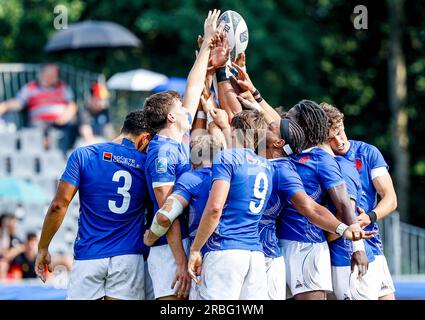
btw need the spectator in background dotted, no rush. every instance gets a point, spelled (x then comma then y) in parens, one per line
(94, 120)
(24, 262)
(8, 231)
(50, 103)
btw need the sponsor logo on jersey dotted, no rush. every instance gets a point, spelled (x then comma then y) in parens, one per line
(107, 156)
(161, 165)
(299, 284)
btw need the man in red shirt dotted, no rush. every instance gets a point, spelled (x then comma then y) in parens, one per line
(50, 103)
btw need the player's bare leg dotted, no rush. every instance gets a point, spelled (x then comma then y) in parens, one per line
(311, 295)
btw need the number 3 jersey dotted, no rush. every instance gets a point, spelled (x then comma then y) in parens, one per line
(250, 178)
(112, 190)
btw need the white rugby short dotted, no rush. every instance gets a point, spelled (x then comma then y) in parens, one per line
(386, 285)
(308, 266)
(148, 284)
(347, 285)
(162, 268)
(233, 275)
(119, 277)
(276, 278)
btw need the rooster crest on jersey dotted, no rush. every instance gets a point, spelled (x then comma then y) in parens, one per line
(237, 32)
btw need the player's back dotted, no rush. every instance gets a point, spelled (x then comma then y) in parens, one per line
(319, 172)
(286, 182)
(112, 191)
(194, 187)
(250, 178)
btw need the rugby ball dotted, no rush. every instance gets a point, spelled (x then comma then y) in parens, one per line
(237, 32)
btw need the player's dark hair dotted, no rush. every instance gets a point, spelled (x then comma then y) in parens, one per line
(31, 235)
(135, 124)
(295, 136)
(314, 122)
(157, 107)
(251, 126)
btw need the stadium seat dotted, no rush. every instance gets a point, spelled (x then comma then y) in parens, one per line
(31, 140)
(22, 165)
(49, 185)
(3, 166)
(52, 164)
(8, 142)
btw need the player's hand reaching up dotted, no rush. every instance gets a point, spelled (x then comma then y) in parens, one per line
(194, 265)
(221, 118)
(210, 25)
(243, 79)
(43, 262)
(221, 51)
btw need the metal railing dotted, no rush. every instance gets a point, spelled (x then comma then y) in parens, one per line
(13, 76)
(404, 246)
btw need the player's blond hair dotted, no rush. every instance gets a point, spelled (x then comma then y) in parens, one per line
(204, 147)
(336, 117)
(251, 127)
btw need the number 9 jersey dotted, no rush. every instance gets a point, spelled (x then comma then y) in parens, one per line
(250, 177)
(113, 194)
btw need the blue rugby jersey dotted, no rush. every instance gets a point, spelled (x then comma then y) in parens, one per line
(250, 178)
(341, 249)
(366, 158)
(113, 195)
(319, 172)
(286, 182)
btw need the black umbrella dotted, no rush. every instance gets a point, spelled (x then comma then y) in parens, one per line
(91, 35)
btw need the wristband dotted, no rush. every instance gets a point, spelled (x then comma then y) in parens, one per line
(373, 216)
(201, 114)
(256, 93)
(358, 246)
(341, 229)
(209, 118)
(221, 75)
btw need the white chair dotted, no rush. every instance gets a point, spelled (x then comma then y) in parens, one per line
(32, 140)
(52, 164)
(3, 165)
(8, 142)
(49, 185)
(22, 165)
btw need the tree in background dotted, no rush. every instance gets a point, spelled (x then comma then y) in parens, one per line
(297, 49)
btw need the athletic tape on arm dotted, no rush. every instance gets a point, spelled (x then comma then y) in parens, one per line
(378, 172)
(176, 210)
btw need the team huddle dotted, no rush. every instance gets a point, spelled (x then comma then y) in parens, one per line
(218, 196)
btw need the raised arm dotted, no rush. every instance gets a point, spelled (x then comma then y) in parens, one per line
(244, 81)
(196, 78)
